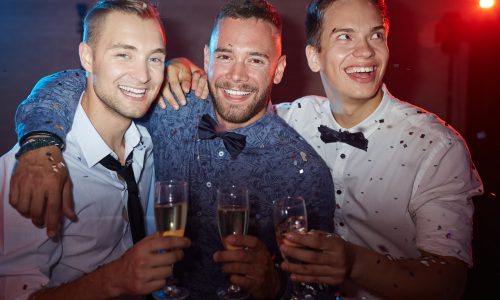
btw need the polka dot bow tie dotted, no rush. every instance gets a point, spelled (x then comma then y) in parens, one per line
(356, 139)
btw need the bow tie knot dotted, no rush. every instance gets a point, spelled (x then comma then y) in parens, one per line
(356, 139)
(208, 129)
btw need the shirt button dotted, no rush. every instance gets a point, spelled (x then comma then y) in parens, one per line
(339, 192)
(198, 214)
(221, 153)
(342, 155)
(257, 216)
(209, 184)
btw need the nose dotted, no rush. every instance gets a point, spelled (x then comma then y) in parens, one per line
(363, 49)
(238, 72)
(141, 72)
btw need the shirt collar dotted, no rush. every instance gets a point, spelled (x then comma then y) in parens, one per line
(91, 143)
(368, 125)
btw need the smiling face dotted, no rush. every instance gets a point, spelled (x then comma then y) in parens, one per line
(242, 62)
(125, 64)
(354, 53)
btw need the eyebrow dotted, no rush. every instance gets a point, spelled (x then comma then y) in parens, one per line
(130, 47)
(352, 30)
(254, 53)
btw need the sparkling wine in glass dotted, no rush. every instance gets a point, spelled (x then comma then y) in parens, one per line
(232, 218)
(290, 215)
(171, 206)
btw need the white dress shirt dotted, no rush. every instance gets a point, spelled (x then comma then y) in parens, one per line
(410, 190)
(28, 259)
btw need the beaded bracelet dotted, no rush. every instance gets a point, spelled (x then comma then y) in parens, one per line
(32, 143)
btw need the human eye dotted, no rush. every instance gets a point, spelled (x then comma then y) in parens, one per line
(222, 56)
(156, 60)
(378, 35)
(257, 61)
(122, 55)
(343, 37)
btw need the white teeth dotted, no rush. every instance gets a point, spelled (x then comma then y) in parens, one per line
(236, 93)
(359, 70)
(132, 91)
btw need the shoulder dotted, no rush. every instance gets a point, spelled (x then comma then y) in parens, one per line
(305, 106)
(425, 122)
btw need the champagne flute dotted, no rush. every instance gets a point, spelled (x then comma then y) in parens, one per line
(232, 218)
(290, 215)
(171, 206)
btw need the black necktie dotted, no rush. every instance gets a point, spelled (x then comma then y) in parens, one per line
(356, 139)
(234, 142)
(134, 206)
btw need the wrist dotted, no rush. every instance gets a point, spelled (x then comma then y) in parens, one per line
(38, 140)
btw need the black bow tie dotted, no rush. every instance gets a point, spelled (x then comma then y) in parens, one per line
(356, 139)
(234, 142)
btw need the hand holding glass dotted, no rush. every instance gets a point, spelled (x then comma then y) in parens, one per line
(290, 215)
(232, 218)
(171, 206)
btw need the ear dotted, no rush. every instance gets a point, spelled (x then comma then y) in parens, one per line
(85, 52)
(206, 58)
(280, 69)
(313, 58)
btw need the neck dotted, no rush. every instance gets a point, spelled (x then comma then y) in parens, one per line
(109, 124)
(227, 125)
(349, 112)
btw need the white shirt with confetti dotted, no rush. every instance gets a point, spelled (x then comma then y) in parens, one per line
(410, 190)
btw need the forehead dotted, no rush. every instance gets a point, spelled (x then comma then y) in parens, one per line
(356, 14)
(246, 33)
(119, 27)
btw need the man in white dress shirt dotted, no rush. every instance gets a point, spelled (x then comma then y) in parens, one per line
(123, 52)
(403, 178)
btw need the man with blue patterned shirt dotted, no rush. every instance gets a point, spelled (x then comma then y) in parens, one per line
(232, 138)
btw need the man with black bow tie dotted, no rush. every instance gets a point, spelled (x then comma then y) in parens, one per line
(403, 178)
(233, 138)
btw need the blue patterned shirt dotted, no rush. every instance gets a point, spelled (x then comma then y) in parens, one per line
(275, 163)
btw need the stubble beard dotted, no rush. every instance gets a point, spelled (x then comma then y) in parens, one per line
(238, 114)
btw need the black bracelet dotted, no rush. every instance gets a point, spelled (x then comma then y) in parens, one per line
(32, 143)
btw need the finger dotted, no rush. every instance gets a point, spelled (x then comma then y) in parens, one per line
(243, 241)
(174, 79)
(167, 95)
(168, 242)
(68, 206)
(178, 92)
(237, 268)
(37, 209)
(161, 101)
(54, 205)
(154, 285)
(315, 240)
(310, 256)
(23, 204)
(166, 259)
(186, 86)
(245, 282)
(14, 192)
(203, 87)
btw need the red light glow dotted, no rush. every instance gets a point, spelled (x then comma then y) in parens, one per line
(486, 4)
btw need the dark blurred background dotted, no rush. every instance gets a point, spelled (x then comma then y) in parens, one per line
(445, 57)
